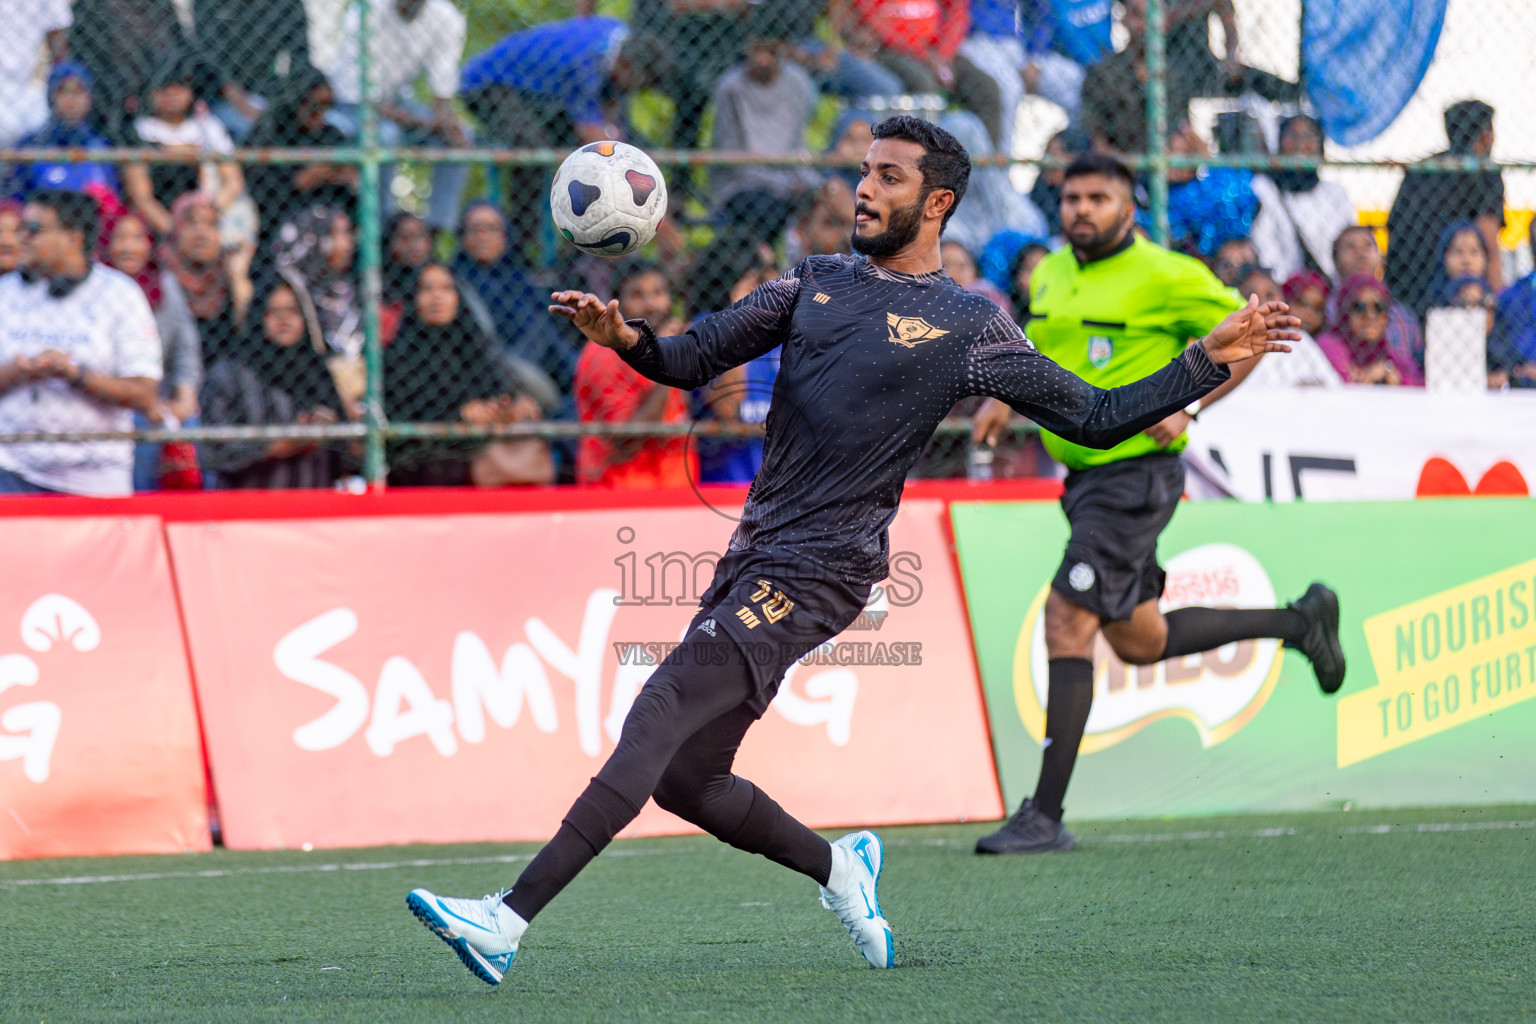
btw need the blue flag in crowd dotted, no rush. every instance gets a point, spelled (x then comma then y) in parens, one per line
(1364, 59)
(1078, 29)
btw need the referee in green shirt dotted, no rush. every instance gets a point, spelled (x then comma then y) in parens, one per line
(1113, 307)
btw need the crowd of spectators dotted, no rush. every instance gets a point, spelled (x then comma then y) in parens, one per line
(247, 297)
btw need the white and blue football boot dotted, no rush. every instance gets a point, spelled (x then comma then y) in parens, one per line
(856, 863)
(484, 932)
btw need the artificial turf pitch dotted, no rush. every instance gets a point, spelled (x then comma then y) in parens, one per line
(1425, 915)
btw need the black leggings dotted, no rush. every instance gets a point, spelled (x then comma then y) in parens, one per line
(678, 745)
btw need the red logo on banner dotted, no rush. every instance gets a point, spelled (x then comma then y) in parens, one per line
(1441, 479)
(99, 751)
(460, 678)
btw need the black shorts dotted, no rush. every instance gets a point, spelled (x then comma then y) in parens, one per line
(1116, 513)
(775, 610)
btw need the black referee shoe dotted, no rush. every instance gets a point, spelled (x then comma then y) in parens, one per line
(1030, 830)
(1319, 606)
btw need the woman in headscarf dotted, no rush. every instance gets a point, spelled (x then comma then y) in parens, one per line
(518, 311)
(407, 248)
(275, 374)
(1462, 252)
(297, 119)
(1299, 214)
(315, 251)
(315, 254)
(68, 127)
(217, 285)
(1305, 365)
(441, 369)
(1362, 345)
(1307, 294)
(992, 203)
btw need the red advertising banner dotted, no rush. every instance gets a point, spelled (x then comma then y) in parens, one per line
(459, 678)
(99, 748)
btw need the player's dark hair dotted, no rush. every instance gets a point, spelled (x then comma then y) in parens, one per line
(945, 163)
(76, 210)
(1465, 121)
(1100, 163)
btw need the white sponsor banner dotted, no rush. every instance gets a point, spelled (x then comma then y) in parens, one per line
(1357, 443)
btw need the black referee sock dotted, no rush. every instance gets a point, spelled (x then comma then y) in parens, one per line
(1069, 697)
(1205, 629)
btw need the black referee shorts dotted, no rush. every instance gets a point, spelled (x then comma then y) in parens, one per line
(1116, 513)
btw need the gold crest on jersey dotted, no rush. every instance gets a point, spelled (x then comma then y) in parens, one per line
(911, 330)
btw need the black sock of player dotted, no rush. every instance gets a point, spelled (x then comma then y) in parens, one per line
(1069, 696)
(768, 830)
(596, 816)
(1205, 629)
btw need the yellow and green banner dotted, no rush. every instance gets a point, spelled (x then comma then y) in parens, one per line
(1438, 623)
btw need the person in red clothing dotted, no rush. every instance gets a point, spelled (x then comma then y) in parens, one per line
(608, 391)
(919, 41)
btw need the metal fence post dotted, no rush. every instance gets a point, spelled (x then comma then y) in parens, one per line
(1157, 117)
(369, 213)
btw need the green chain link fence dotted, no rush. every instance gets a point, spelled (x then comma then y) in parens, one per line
(337, 210)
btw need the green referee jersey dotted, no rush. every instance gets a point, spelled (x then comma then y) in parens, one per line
(1117, 320)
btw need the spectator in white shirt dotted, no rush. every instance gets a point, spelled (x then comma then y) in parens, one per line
(28, 26)
(178, 123)
(410, 40)
(79, 352)
(1299, 214)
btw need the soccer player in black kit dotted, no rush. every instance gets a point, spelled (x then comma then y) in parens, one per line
(876, 348)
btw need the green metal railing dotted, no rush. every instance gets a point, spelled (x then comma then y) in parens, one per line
(374, 429)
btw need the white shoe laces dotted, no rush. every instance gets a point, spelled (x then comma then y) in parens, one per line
(489, 903)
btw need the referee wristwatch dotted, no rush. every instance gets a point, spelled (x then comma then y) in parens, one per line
(1192, 410)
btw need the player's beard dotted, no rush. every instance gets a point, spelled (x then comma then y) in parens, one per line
(903, 225)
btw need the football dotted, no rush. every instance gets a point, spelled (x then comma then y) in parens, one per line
(608, 198)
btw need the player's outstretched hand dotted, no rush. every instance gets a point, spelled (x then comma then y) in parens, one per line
(601, 323)
(1251, 331)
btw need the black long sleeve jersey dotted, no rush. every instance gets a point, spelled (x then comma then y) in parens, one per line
(872, 361)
